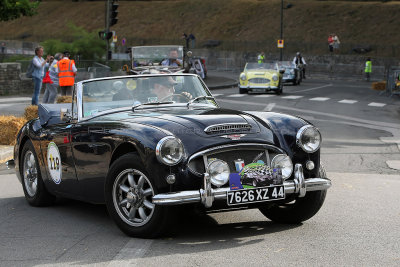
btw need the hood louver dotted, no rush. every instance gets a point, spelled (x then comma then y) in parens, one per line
(228, 128)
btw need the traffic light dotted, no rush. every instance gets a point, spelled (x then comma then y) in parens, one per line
(113, 14)
(105, 35)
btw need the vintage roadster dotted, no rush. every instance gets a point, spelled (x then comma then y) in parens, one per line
(261, 78)
(143, 144)
(291, 74)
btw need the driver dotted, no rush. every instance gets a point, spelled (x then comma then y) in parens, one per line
(163, 88)
(173, 59)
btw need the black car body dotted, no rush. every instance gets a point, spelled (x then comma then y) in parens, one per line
(291, 74)
(119, 144)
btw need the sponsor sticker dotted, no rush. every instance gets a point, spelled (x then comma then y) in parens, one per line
(54, 162)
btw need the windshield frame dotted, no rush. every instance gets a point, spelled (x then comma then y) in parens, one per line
(80, 102)
(260, 68)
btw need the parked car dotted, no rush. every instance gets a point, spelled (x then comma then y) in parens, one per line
(261, 78)
(291, 74)
(142, 144)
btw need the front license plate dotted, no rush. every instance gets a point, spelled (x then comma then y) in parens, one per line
(253, 195)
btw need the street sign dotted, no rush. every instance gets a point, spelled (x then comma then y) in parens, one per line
(123, 41)
(280, 43)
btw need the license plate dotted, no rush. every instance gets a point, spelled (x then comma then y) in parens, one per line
(253, 195)
(258, 90)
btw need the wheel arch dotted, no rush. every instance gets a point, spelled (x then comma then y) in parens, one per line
(122, 149)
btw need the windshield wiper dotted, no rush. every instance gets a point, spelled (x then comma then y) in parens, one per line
(198, 98)
(151, 104)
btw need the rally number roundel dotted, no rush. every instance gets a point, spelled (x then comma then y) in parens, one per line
(54, 162)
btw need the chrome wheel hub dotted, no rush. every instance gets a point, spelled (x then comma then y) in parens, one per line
(132, 197)
(30, 173)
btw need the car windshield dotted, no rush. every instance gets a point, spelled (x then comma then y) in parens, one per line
(286, 64)
(126, 92)
(155, 55)
(262, 66)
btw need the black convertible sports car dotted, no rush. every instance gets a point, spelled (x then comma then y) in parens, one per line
(142, 144)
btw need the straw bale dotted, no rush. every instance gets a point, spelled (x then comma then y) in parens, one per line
(64, 99)
(379, 86)
(10, 125)
(31, 112)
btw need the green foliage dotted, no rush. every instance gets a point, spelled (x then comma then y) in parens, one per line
(13, 9)
(86, 44)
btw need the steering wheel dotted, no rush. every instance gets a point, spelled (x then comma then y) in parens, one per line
(184, 97)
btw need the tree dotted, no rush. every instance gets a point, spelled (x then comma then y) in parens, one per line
(13, 9)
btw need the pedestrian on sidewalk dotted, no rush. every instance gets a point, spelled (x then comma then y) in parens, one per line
(38, 72)
(336, 43)
(368, 69)
(193, 38)
(50, 94)
(330, 42)
(3, 47)
(185, 36)
(66, 74)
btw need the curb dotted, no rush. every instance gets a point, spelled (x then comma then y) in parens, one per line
(6, 153)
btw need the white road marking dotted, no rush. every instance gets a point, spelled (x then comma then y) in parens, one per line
(373, 104)
(347, 101)
(215, 95)
(264, 95)
(292, 97)
(133, 250)
(236, 95)
(314, 88)
(269, 107)
(319, 98)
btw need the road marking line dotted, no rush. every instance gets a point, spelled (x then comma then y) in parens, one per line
(214, 95)
(314, 88)
(374, 104)
(319, 98)
(133, 250)
(347, 101)
(269, 107)
(236, 95)
(264, 95)
(292, 97)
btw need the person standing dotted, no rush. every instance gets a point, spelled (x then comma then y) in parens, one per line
(261, 58)
(336, 42)
(66, 74)
(193, 38)
(3, 47)
(38, 72)
(368, 69)
(330, 42)
(185, 36)
(51, 91)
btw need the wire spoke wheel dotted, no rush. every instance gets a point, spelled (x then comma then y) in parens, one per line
(30, 173)
(132, 194)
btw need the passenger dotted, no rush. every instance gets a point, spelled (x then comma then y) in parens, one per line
(173, 59)
(122, 92)
(164, 89)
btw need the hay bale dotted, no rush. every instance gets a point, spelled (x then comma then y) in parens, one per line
(64, 99)
(31, 112)
(379, 86)
(10, 125)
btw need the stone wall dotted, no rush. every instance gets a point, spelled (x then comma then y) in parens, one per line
(12, 81)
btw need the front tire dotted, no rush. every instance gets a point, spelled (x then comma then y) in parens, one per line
(280, 90)
(242, 91)
(32, 183)
(128, 194)
(300, 210)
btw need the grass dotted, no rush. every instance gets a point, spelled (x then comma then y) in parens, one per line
(308, 22)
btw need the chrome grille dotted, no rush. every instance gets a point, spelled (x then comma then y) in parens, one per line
(259, 80)
(228, 128)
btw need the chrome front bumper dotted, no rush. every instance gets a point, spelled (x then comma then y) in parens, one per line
(206, 196)
(258, 87)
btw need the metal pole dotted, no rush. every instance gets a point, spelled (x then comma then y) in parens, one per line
(107, 27)
(281, 52)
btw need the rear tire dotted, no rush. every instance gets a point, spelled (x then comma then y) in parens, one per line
(128, 194)
(300, 210)
(32, 183)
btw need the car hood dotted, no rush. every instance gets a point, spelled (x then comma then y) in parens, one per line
(260, 73)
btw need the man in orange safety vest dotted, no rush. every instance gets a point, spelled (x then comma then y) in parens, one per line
(66, 74)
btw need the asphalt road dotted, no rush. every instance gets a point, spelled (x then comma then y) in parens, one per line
(359, 224)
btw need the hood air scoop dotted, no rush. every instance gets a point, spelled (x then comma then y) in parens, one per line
(228, 128)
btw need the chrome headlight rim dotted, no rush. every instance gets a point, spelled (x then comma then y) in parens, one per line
(213, 180)
(275, 77)
(160, 145)
(286, 174)
(243, 77)
(300, 134)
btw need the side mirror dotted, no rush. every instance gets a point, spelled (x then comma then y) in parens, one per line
(65, 115)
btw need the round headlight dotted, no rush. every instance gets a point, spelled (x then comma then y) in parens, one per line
(284, 163)
(274, 77)
(169, 150)
(243, 77)
(308, 138)
(219, 172)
